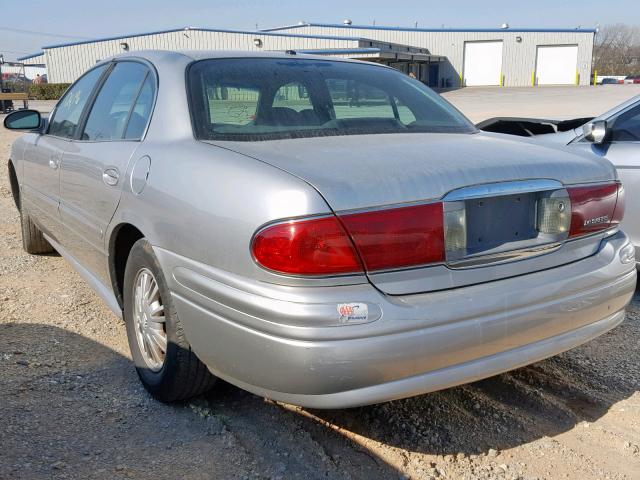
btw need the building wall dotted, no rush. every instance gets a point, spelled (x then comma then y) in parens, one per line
(519, 58)
(66, 63)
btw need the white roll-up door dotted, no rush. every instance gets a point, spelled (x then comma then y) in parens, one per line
(556, 64)
(482, 63)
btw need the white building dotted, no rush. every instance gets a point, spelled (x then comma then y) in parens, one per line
(438, 57)
(505, 56)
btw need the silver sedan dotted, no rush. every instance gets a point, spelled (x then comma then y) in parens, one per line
(322, 232)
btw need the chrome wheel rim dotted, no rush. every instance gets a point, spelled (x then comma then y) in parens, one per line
(148, 313)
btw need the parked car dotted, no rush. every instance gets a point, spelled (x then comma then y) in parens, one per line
(352, 241)
(614, 135)
(610, 81)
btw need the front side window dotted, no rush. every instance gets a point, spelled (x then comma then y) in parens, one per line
(114, 104)
(269, 98)
(626, 127)
(66, 117)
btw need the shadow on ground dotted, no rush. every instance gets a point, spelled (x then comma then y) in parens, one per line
(73, 408)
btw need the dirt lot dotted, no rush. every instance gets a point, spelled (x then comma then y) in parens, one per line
(71, 405)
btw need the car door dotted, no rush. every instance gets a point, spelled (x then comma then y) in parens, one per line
(93, 167)
(43, 156)
(623, 150)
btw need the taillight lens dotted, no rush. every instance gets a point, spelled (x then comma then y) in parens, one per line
(416, 235)
(618, 213)
(595, 208)
(398, 237)
(317, 246)
(383, 239)
(554, 215)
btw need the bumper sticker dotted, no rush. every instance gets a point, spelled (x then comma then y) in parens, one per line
(353, 312)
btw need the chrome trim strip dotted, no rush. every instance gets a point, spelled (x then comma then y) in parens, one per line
(502, 188)
(503, 257)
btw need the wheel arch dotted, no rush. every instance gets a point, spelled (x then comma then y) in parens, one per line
(123, 236)
(13, 182)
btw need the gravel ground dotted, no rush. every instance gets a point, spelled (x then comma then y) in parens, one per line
(71, 405)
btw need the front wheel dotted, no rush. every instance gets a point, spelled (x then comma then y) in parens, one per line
(165, 363)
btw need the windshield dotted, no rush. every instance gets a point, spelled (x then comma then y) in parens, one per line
(252, 99)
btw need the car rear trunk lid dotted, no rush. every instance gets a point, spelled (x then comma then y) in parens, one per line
(496, 181)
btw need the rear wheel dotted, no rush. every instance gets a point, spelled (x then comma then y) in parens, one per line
(165, 363)
(33, 240)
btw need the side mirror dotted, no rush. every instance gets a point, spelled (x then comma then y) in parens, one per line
(23, 120)
(595, 132)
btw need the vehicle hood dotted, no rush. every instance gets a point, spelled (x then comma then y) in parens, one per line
(560, 138)
(360, 171)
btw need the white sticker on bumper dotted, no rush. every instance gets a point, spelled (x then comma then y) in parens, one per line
(353, 312)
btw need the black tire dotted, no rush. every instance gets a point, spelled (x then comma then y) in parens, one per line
(33, 240)
(182, 375)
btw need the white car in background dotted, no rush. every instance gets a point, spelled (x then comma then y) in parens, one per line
(614, 135)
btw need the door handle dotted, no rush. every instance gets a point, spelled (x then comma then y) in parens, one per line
(110, 177)
(53, 164)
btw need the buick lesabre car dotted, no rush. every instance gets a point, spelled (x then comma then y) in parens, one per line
(321, 232)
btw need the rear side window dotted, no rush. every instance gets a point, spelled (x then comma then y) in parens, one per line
(141, 110)
(69, 110)
(115, 103)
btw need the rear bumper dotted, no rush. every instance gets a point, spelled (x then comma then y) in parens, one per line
(445, 377)
(277, 342)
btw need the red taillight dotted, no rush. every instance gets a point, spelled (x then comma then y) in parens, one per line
(317, 246)
(384, 239)
(398, 237)
(618, 213)
(595, 208)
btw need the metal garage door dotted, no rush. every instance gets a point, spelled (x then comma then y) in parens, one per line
(556, 65)
(482, 63)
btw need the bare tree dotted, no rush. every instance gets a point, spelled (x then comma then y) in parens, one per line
(617, 50)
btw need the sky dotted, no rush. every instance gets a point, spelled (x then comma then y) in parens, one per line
(29, 25)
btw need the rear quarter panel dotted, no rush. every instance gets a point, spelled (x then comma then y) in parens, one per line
(205, 203)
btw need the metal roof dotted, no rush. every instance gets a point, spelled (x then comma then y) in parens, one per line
(410, 29)
(219, 30)
(27, 57)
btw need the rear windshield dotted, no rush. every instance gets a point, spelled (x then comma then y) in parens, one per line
(251, 99)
